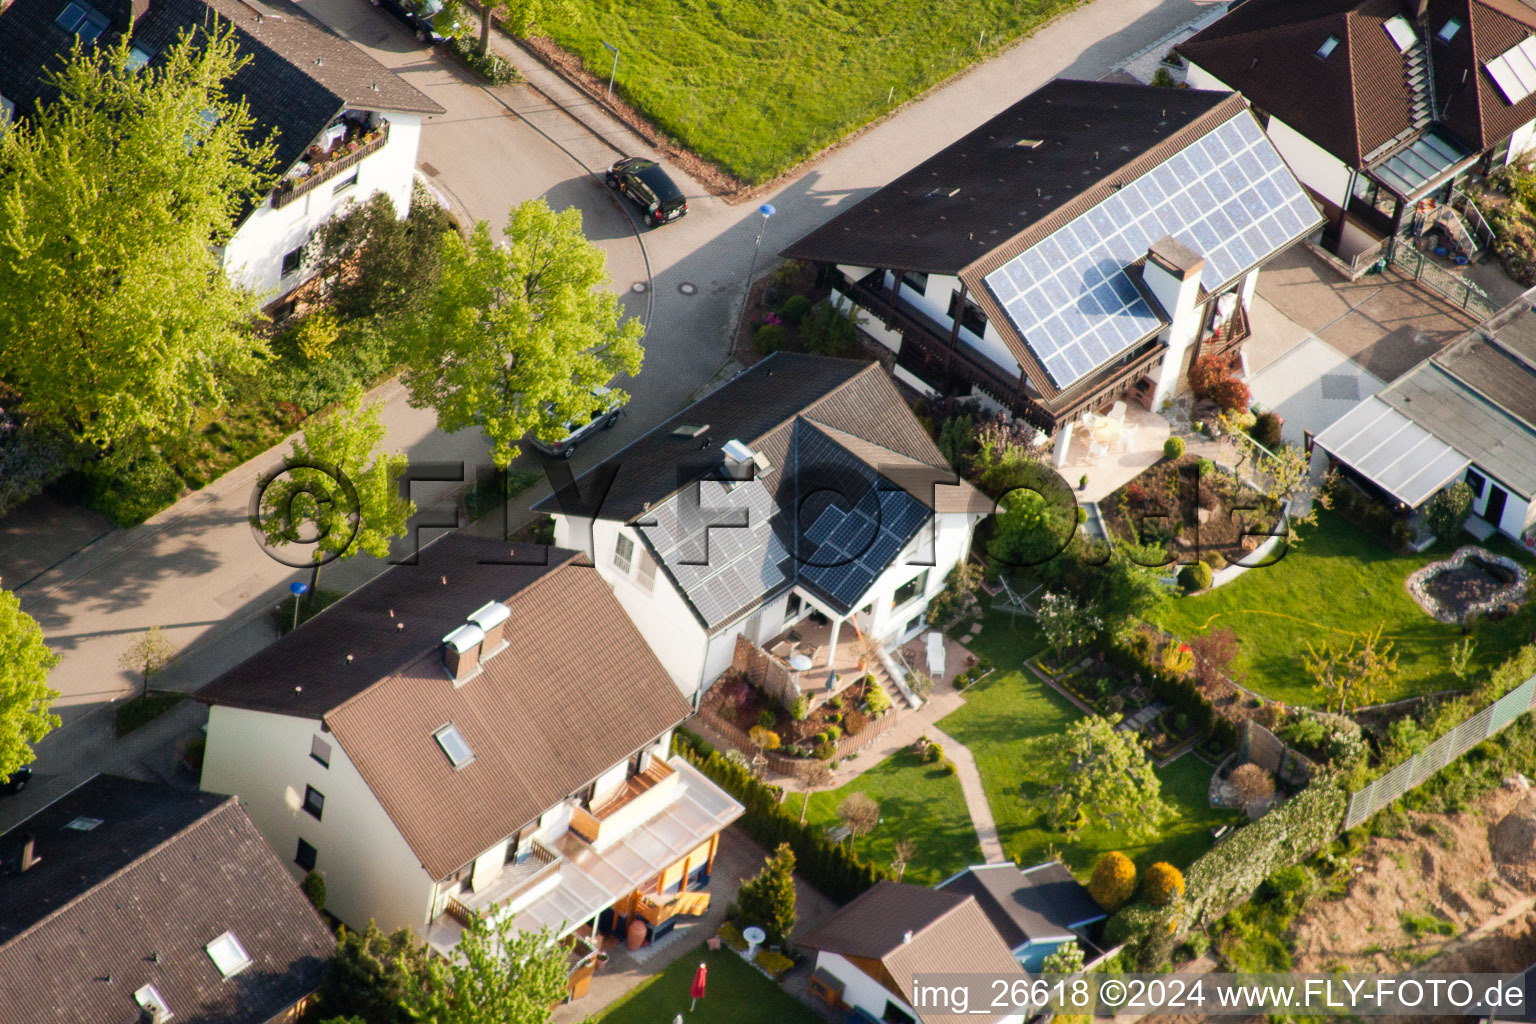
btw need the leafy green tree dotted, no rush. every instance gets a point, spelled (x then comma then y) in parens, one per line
(117, 318)
(1027, 530)
(25, 662)
(1066, 959)
(1448, 510)
(1349, 677)
(1066, 624)
(521, 17)
(340, 492)
(767, 899)
(370, 974)
(378, 265)
(500, 976)
(515, 336)
(149, 652)
(1106, 777)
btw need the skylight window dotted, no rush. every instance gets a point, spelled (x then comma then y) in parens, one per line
(1514, 71)
(453, 745)
(83, 824)
(1329, 45)
(1448, 30)
(83, 20)
(228, 955)
(138, 56)
(1401, 32)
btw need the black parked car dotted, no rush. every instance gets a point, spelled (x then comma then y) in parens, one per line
(649, 188)
(17, 782)
(424, 17)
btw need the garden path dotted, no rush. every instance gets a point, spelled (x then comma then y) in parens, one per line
(975, 796)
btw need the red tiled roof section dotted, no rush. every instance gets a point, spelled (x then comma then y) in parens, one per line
(576, 691)
(1468, 101)
(1350, 103)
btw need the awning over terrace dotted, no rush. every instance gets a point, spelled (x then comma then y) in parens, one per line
(1426, 162)
(1393, 452)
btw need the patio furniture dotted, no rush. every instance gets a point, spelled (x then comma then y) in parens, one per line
(936, 653)
(1117, 411)
(1107, 431)
(799, 662)
(1096, 453)
(1127, 437)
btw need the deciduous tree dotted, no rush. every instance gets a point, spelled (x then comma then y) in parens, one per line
(367, 977)
(499, 976)
(1350, 677)
(818, 775)
(337, 491)
(859, 814)
(117, 318)
(149, 652)
(521, 17)
(377, 264)
(515, 336)
(25, 661)
(1106, 777)
(1252, 783)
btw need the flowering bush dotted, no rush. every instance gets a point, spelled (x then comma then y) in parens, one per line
(1215, 377)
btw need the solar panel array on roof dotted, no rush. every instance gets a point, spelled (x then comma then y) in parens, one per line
(853, 546)
(718, 542)
(1228, 196)
(1514, 70)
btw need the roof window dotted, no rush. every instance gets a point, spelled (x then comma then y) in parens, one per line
(1029, 143)
(1514, 71)
(943, 192)
(228, 955)
(83, 824)
(453, 745)
(1401, 32)
(83, 20)
(1329, 45)
(1448, 30)
(138, 56)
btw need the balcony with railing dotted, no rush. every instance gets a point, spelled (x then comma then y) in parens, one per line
(642, 795)
(328, 158)
(517, 879)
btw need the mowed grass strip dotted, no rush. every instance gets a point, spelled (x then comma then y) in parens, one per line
(757, 86)
(1013, 722)
(1341, 582)
(735, 993)
(918, 802)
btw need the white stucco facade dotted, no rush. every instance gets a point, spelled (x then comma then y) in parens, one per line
(869, 995)
(1518, 510)
(370, 872)
(253, 257)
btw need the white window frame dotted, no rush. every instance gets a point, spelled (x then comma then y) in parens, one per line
(623, 554)
(228, 955)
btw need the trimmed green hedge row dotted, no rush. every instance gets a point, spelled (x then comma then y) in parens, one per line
(834, 869)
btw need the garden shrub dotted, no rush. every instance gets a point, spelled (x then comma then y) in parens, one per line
(764, 737)
(1113, 882)
(774, 964)
(854, 722)
(948, 767)
(313, 888)
(767, 899)
(833, 868)
(1173, 448)
(933, 753)
(1163, 884)
(876, 699)
(795, 308)
(731, 936)
(1195, 576)
(1266, 430)
(800, 708)
(1448, 510)
(129, 489)
(1148, 933)
(28, 462)
(490, 65)
(766, 718)
(828, 331)
(834, 733)
(1214, 377)
(826, 750)
(768, 339)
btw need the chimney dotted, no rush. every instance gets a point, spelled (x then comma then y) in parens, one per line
(492, 618)
(907, 937)
(1415, 10)
(739, 460)
(461, 652)
(1171, 273)
(28, 856)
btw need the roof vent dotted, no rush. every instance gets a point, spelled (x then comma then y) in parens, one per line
(1029, 143)
(907, 937)
(739, 460)
(492, 618)
(461, 652)
(152, 1006)
(944, 192)
(736, 451)
(690, 429)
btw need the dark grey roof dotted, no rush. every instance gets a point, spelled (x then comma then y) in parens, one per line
(299, 77)
(828, 429)
(1478, 395)
(136, 899)
(1031, 905)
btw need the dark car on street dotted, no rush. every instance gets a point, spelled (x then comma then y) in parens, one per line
(426, 18)
(605, 413)
(648, 187)
(17, 782)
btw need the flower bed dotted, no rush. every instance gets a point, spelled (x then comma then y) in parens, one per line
(1190, 505)
(1473, 581)
(846, 714)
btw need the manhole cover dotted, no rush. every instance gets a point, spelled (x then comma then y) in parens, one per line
(430, 171)
(1340, 386)
(638, 287)
(687, 288)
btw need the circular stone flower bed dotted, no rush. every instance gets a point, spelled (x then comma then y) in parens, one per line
(1473, 581)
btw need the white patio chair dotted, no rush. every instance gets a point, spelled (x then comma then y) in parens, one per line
(1127, 437)
(1117, 411)
(1096, 453)
(936, 653)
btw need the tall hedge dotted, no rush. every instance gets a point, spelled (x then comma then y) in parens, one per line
(835, 870)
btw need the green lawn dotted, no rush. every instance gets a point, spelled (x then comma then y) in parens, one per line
(918, 802)
(1341, 581)
(736, 994)
(1011, 721)
(759, 85)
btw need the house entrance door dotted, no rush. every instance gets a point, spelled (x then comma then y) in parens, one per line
(1497, 496)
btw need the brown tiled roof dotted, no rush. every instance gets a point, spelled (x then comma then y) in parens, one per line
(1467, 100)
(136, 900)
(757, 407)
(1351, 103)
(576, 691)
(949, 934)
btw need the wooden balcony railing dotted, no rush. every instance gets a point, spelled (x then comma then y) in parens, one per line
(586, 827)
(540, 863)
(1228, 336)
(289, 189)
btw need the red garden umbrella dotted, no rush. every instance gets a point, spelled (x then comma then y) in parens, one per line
(697, 991)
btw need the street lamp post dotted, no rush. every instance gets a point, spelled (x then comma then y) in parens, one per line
(615, 51)
(767, 211)
(298, 590)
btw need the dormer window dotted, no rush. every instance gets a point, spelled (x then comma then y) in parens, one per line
(1448, 30)
(1329, 45)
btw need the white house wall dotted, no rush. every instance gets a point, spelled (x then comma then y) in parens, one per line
(934, 301)
(1517, 510)
(1520, 140)
(1316, 168)
(864, 992)
(369, 870)
(254, 256)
